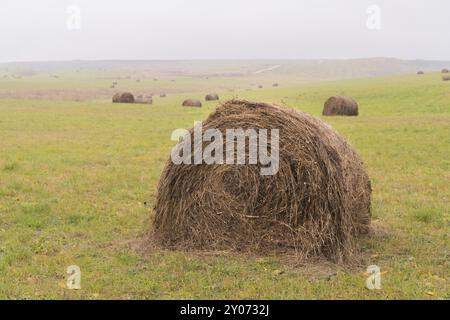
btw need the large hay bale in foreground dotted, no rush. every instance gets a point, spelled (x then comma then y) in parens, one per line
(340, 106)
(123, 97)
(317, 204)
(192, 103)
(212, 97)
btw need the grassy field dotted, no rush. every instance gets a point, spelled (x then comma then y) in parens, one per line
(74, 177)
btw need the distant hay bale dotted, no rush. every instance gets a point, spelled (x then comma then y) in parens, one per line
(162, 95)
(212, 97)
(420, 72)
(126, 97)
(340, 106)
(26, 72)
(445, 71)
(116, 97)
(144, 99)
(316, 205)
(192, 103)
(275, 84)
(260, 86)
(445, 78)
(123, 97)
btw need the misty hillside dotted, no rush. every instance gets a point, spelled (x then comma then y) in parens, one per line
(299, 69)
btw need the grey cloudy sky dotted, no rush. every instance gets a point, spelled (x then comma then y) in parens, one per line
(227, 29)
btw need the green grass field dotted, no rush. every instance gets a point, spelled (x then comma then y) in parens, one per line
(74, 177)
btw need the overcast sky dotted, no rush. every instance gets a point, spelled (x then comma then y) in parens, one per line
(227, 29)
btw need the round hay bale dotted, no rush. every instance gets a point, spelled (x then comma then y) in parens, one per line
(116, 97)
(126, 97)
(212, 97)
(123, 97)
(192, 103)
(445, 78)
(147, 99)
(260, 86)
(420, 72)
(275, 84)
(340, 106)
(316, 205)
(445, 71)
(162, 95)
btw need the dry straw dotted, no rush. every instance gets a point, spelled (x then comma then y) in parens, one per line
(144, 99)
(212, 97)
(123, 97)
(317, 205)
(192, 103)
(340, 106)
